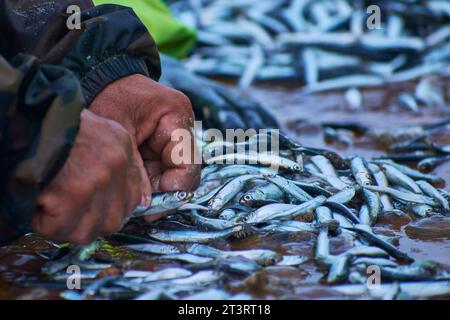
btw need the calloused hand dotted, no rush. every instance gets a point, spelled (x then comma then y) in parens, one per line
(96, 189)
(152, 114)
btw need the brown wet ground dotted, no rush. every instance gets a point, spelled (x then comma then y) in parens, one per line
(302, 114)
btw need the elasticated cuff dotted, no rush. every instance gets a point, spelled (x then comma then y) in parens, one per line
(108, 71)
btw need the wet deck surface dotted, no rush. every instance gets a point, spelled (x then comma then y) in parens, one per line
(302, 114)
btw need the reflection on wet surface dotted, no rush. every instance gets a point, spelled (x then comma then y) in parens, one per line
(303, 115)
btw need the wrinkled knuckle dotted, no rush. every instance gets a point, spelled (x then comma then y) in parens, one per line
(81, 190)
(118, 160)
(184, 101)
(102, 178)
(47, 202)
(179, 101)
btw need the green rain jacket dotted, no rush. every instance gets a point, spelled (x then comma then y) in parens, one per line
(48, 74)
(171, 36)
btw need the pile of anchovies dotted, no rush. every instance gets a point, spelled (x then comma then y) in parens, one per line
(427, 145)
(326, 45)
(298, 190)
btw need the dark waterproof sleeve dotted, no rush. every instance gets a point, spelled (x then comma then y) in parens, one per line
(48, 72)
(40, 108)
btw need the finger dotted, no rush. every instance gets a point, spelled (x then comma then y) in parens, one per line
(127, 195)
(88, 228)
(114, 218)
(54, 218)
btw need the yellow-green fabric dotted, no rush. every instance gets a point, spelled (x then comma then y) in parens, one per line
(172, 36)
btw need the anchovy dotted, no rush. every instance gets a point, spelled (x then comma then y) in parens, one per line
(322, 253)
(262, 159)
(94, 287)
(364, 215)
(375, 261)
(397, 177)
(227, 214)
(263, 214)
(313, 188)
(262, 194)
(163, 203)
(419, 270)
(154, 248)
(372, 200)
(238, 170)
(164, 274)
(372, 238)
(423, 289)
(208, 195)
(340, 269)
(343, 210)
(367, 251)
(431, 191)
(289, 187)
(429, 164)
(261, 256)
(335, 182)
(289, 226)
(381, 181)
(229, 191)
(324, 165)
(186, 257)
(422, 210)
(324, 218)
(209, 223)
(193, 206)
(403, 196)
(343, 196)
(200, 278)
(192, 236)
(292, 260)
(206, 171)
(410, 172)
(360, 171)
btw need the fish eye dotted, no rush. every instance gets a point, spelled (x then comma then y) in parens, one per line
(297, 167)
(182, 194)
(247, 197)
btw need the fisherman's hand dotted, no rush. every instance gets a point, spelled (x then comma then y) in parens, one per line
(215, 104)
(98, 186)
(152, 113)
